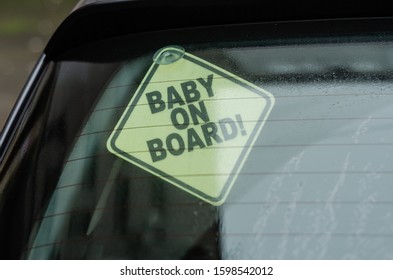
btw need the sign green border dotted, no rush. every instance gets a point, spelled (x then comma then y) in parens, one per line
(170, 178)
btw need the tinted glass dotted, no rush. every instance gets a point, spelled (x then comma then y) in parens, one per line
(313, 182)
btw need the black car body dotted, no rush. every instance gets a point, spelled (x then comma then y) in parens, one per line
(200, 130)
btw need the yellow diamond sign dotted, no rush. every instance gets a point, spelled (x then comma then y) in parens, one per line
(192, 124)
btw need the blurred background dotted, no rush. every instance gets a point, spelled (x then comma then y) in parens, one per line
(25, 28)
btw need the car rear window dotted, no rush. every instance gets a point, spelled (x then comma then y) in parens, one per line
(237, 149)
